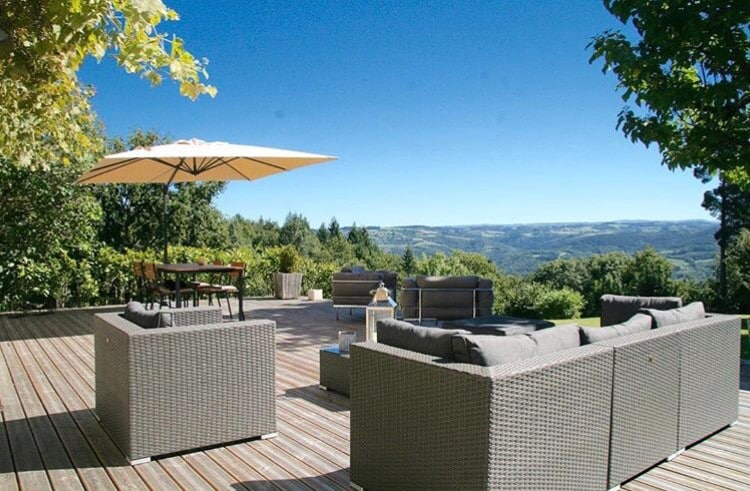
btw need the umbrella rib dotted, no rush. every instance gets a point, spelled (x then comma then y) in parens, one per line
(216, 162)
(106, 169)
(267, 163)
(238, 172)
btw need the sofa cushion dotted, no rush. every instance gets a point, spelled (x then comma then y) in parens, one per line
(556, 338)
(637, 323)
(136, 313)
(661, 318)
(487, 351)
(619, 308)
(458, 282)
(426, 340)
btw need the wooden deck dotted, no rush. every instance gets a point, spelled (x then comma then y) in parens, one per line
(49, 436)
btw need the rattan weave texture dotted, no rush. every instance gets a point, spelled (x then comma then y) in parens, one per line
(417, 423)
(709, 377)
(173, 389)
(645, 398)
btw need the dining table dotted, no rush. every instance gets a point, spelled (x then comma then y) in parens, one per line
(181, 269)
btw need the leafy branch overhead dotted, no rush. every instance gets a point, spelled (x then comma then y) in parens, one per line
(43, 106)
(687, 71)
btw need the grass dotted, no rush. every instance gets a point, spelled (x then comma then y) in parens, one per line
(744, 340)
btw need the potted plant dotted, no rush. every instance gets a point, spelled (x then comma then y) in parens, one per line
(287, 283)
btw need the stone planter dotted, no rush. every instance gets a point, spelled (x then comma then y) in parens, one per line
(287, 285)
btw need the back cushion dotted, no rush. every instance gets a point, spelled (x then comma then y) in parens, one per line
(556, 338)
(462, 282)
(637, 323)
(426, 340)
(136, 313)
(691, 312)
(619, 308)
(492, 350)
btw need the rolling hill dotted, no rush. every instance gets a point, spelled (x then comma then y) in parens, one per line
(520, 249)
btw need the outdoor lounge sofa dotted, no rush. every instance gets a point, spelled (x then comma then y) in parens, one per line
(197, 383)
(351, 287)
(446, 297)
(559, 414)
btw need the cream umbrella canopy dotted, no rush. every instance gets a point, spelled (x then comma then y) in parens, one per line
(192, 161)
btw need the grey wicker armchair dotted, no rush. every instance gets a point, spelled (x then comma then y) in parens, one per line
(171, 389)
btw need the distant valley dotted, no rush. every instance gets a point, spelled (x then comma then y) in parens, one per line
(520, 249)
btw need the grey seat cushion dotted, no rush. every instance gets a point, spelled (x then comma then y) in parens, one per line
(556, 338)
(487, 351)
(661, 318)
(619, 308)
(426, 340)
(136, 313)
(637, 323)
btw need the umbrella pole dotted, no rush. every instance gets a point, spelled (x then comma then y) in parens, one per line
(166, 222)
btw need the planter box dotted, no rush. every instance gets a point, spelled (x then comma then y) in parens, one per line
(287, 285)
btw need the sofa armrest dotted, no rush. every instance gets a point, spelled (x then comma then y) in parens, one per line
(435, 424)
(191, 316)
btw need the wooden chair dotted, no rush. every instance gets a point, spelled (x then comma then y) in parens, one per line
(161, 289)
(140, 282)
(226, 290)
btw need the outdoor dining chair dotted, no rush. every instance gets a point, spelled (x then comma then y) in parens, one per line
(140, 282)
(163, 290)
(226, 290)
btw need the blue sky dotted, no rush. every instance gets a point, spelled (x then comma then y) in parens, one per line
(441, 113)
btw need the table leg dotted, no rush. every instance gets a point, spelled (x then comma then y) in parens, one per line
(241, 315)
(177, 299)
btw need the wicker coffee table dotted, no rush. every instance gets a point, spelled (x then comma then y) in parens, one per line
(335, 370)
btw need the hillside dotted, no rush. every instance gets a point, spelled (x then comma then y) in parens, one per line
(521, 248)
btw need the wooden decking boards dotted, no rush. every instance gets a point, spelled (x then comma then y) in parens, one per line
(50, 438)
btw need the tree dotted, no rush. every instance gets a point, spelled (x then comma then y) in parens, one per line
(333, 228)
(729, 203)
(688, 73)
(408, 262)
(47, 236)
(134, 213)
(738, 274)
(650, 274)
(44, 109)
(323, 234)
(296, 231)
(259, 234)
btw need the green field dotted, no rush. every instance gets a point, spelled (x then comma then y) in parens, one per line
(744, 341)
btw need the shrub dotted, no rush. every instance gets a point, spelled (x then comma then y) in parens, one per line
(559, 304)
(289, 260)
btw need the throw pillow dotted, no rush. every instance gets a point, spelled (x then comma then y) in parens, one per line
(556, 338)
(426, 340)
(637, 323)
(690, 312)
(487, 351)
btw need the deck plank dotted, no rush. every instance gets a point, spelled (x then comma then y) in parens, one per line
(47, 397)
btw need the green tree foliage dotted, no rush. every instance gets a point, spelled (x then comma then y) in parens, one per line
(134, 213)
(259, 234)
(44, 110)
(687, 70)
(296, 232)
(408, 261)
(730, 203)
(650, 274)
(738, 274)
(47, 237)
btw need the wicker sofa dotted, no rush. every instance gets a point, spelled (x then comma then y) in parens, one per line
(446, 297)
(351, 287)
(198, 383)
(589, 417)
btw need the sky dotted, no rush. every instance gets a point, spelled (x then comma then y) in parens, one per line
(440, 112)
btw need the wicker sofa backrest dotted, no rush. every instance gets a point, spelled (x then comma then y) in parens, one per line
(446, 298)
(437, 425)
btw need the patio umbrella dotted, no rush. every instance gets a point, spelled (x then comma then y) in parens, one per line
(195, 160)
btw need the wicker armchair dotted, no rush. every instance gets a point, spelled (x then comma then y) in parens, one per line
(177, 388)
